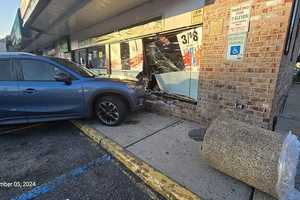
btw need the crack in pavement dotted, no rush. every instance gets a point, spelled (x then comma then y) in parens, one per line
(154, 133)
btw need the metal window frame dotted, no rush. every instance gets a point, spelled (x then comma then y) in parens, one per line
(291, 26)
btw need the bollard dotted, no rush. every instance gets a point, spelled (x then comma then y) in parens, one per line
(261, 158)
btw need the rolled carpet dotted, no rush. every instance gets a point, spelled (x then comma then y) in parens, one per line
(263, 159)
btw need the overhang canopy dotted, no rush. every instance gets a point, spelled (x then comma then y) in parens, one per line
(61, 18)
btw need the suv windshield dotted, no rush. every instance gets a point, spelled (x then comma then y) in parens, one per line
(75, 67)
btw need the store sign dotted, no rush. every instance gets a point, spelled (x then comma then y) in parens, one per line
(28, 10)
(236, 46)
(24, 4)
(127, 34)
(197, 16)
(216, 26)
(86, 43)
(240, 19)
(190, 45)
(63, 46)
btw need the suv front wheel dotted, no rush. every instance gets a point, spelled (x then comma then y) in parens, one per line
(111, 110)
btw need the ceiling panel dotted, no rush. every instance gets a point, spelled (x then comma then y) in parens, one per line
(99, 10)
(54, 10)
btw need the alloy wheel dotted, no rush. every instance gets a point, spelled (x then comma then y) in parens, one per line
(108, 112)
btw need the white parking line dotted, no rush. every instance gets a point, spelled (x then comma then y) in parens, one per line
(60, 180)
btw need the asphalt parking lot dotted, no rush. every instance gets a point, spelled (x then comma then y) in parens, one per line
(55, 161)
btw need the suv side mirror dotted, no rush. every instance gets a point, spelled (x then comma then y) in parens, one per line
(62, 77)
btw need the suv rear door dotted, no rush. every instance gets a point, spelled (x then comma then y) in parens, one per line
(44, 97)
(11, 106)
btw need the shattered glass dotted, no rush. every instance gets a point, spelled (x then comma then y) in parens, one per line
(174, 62)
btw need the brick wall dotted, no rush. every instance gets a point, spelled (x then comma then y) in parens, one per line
(251, 83)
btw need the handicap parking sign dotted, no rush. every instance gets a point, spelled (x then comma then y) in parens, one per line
(236, 46)
(235, 50)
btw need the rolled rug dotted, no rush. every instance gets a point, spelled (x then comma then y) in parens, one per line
(261, 158)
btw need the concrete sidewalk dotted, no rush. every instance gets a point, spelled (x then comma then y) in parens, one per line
(164, 143)
(289, 120)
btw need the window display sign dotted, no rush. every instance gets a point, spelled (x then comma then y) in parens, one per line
(127, 59)
(136, 55)
(240, 19)
(236, 46)
(115, 50)
(190, 45)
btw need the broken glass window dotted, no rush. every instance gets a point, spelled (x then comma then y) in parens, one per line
(174, 61)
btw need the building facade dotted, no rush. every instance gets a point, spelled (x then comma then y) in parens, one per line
(197, 59)
(3, 45)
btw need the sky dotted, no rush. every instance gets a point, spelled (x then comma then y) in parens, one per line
(8, 11)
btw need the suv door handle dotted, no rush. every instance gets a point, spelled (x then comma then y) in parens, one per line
(30, 91)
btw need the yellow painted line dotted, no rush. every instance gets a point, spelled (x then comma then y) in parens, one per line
(19, 129)
(152, 177)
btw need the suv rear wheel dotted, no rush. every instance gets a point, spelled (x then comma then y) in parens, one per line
(111, 110)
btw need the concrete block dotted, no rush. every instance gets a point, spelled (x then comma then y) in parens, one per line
(250, 154)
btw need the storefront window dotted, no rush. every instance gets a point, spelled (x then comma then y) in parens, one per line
(81, 57)
(127, 59)
(174, 61)
(97, 60)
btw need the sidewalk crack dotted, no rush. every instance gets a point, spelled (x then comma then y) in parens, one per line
(154, 133)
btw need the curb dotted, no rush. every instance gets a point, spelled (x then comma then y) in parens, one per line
(152, 177)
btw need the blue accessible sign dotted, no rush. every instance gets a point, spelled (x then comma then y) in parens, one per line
(235, 50)
(236, 46)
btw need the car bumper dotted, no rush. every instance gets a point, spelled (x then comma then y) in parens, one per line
(139, 101)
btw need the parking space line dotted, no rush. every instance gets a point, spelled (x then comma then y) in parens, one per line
(19, 129)
(58, 181)
(152, 177)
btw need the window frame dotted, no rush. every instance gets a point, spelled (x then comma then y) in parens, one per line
(100, 48)
(21, 73)
(12, 70)
(295, 41)
(174, 33)
(291, 28)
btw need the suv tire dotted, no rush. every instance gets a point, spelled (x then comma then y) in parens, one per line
(111, 110)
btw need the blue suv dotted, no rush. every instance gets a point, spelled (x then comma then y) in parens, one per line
(38, 89)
